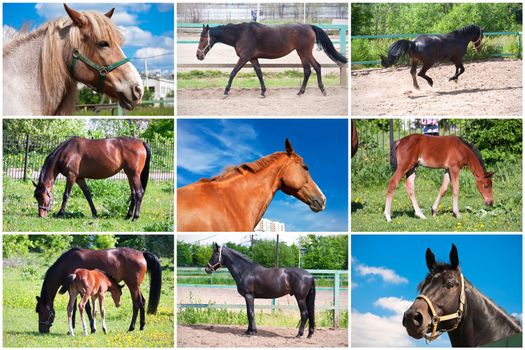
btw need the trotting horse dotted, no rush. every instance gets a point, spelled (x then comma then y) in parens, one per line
(255, 281)
(123, 264)
(430, 49)
(442, 152)
(42, 68)
(90, 284)
(237, 199)
(449, 303)
(79, 159)
(254, 40)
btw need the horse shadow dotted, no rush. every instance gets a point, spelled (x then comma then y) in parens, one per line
(462, 91)
(235, 331)
(355, 206)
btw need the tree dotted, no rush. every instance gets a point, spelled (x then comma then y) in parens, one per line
(51, 246)
(16, 246)
(159, 127)
(184, 254)
(325, 252)
(94, 241)
(201, 254)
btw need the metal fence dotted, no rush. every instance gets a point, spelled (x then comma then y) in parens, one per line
(24, 156)
(337, 278)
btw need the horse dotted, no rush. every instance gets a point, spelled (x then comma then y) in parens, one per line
(79, 159)
(437, 152)
(254, 40)
(355, 140)
(237, 199)
(255, 281)
(90, 284)
(123, 264)
(43, 68)
(430, 49)
(449, 303)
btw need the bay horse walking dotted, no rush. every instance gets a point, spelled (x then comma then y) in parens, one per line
(123, 264)
(438, 152)
(430, 49)
(90, 284)
(254, 40)
(449, 303)
(255, 281)
(43, 68)
(237, 199)
(79, 159)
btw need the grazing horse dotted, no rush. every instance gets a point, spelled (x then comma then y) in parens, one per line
(355, 140)
(123, 264)
(237, 199)
(438, 152)
(90, 284)
(43, 68)
(79, 159)
(254, 40)
(430, 49)
(255, 281)
(449, 303)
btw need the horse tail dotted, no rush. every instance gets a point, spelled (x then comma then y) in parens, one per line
(310, 305)
(396, 51)
(155, 271)
(324, 41)
(144, 175)
(67, 283)
(393, 155)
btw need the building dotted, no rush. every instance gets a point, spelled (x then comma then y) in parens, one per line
(159, 86)
(266, 225)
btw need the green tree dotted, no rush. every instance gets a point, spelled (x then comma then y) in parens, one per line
(15, 246)
(100, 241)
(184, 254)
(159, 127)
(325, 252)
(263, 252)
(51, 246)
(201, 254)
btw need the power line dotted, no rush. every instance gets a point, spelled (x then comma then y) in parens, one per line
(154, 56)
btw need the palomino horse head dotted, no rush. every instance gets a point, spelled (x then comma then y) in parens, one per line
(205, 43)
(439, 307)
(94, 57)
(478, 39)
(46, 315)
(216, 259)
(43, 197)
(116, 292)
(484, 186)
(296, 181)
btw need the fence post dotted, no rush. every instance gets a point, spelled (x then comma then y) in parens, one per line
(336, 299)
(26, 156)
(343, 73)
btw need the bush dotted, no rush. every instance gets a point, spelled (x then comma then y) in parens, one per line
(16, 246)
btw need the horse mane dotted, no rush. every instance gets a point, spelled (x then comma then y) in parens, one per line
(438, 268)
(471, 28)
(476, 153)
(109, 276)
(239, 254)
(51, 269)
(50, 158)
(252, 167)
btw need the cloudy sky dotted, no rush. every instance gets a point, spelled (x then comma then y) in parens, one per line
(147, 28)
(206, 146)
(386, 270)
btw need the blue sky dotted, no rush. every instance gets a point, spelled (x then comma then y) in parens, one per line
(206, 146)
(386, 270)
(147, 27)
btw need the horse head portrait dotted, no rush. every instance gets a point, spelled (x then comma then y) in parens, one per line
(46, 315)
(205, 42)
(44, 199)
(484, 186)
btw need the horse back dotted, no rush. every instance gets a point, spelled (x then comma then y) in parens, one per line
(439, 48)
(278, 41)
(431, 151)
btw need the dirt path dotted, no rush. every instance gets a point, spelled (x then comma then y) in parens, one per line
(279, 102)
(233, 336)
(491, 88)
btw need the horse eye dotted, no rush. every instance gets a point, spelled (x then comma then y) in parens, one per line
(305, 167)
(103, 43)
(449, 284)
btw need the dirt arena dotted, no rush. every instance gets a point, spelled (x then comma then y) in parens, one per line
(490, 88)
(211, 336)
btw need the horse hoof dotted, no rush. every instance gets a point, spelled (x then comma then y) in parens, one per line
(324, 92)
(388, 218)
(421, 216)
(298, 335)
(225, 96)
(262, 96)
(310, 335)
(131, 329)
(457, 215)
(434, 213)
(250, 332)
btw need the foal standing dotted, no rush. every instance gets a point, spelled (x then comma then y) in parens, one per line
(89, 284)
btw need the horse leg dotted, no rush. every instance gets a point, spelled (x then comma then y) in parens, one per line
(413, 72)
(70, 308)
(135, 296)
(307, 71)
(85, 189)
(74, 312)
(131, 203)
(70, 181)
(81, 307)
(101, 300)
(454, 177)
(459, 70)
(94, 312)
(138, 192)
(422, 74)
(258, 71)
(442, 190)
(142, 312)
(240, 63)
(304, 316)
(392, 184)
(250, 310)
(409, 187)
(317, 68)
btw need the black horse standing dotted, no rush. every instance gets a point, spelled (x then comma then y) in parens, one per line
(430, 49)
(255, 281)
(254, 40)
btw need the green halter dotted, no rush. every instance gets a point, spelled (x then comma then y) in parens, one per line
(102, 71)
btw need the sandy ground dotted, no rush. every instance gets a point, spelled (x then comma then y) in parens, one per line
(233, 336)
(491, 88)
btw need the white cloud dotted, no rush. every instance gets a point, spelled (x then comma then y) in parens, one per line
(137, 37)
(388, 275)
(8, 33)
(124, 19)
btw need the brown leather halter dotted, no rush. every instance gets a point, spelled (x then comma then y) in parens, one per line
(436, 319)
(218, 264)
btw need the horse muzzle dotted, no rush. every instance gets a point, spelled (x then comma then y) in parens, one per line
(413, 323)
(490, 202)
(42, 213)
(130, 99)
(318, 204)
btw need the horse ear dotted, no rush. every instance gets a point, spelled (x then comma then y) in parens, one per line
(34, 183)
(207, 26)
(109, 13)
(37, 298)
(120, 286)
(431, 259)
(78, 19)
(215, 246)
(454, 259)
(288, 147)
(489, 174)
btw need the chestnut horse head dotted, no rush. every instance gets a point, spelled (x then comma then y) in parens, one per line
(44, 199)
(484, 186)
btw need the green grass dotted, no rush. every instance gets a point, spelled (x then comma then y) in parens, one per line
(22, 282)
(139, 111)
(370, 175)
(111, 200)
(216, 79)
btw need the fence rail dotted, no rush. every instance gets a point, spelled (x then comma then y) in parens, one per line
(117, 110)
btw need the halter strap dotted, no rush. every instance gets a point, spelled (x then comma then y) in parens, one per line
(48, 207)
(218, 264)
(49, 321)
(102, 70)
(206, 48)
(479, 38)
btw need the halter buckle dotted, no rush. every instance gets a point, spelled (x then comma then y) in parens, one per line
(76, 53)
(103, 71)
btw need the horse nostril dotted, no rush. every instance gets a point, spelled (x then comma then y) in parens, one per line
(137, 93)
(418, 319)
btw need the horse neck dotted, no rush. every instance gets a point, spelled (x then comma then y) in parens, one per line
(49, 173)
(235, 266)
(483, 321)
(52, 281)
(474, 164)
(225, 34)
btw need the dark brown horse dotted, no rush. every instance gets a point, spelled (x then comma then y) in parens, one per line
(123, 264)
(254, 40)
(442, 152)
(79, 159)
(449, 303)
(237, 199)
(355, 140)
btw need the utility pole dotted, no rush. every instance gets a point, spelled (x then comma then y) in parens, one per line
(277, 253)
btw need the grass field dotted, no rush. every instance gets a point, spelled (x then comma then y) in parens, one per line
(139, 111)
(370, 175)
(111, 200)
(22, 280)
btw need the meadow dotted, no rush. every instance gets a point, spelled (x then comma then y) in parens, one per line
(22, 280)
(138, 111)
(111, 198)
